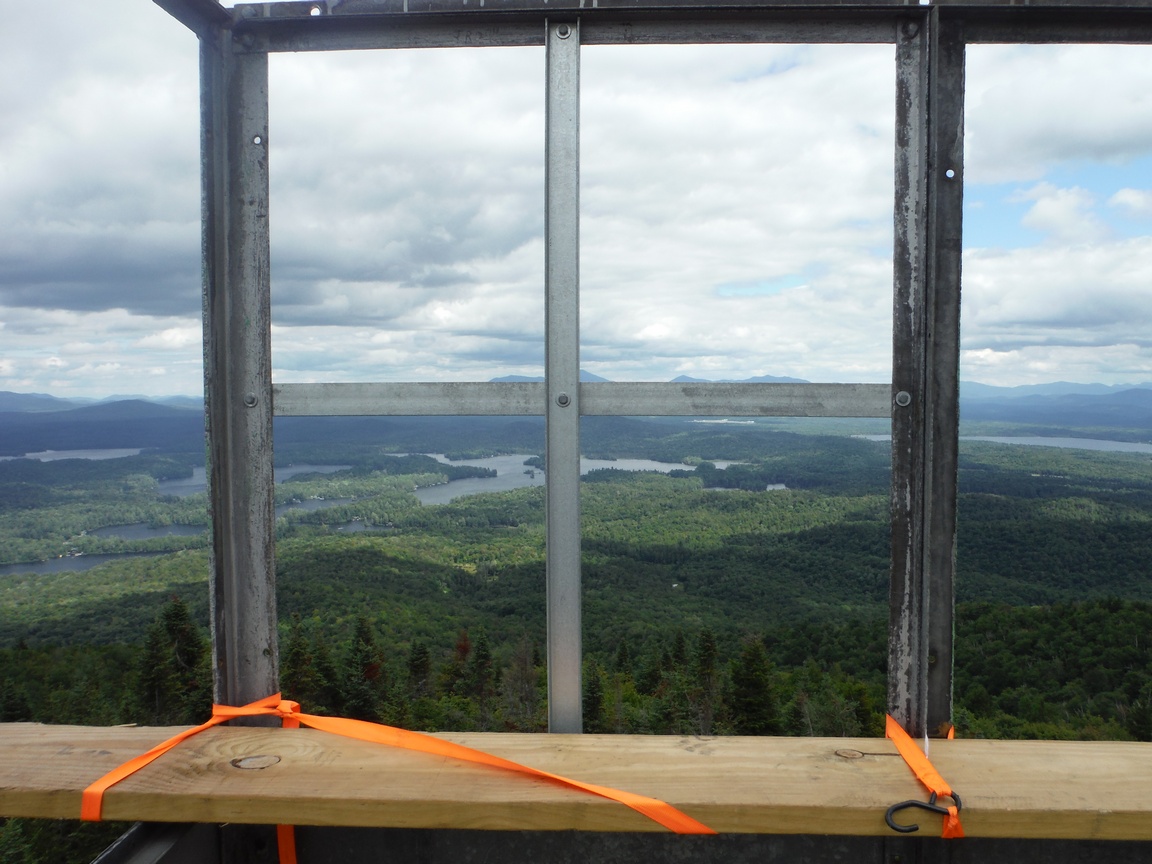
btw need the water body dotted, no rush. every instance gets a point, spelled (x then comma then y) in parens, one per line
(1100, 444)
(197, 483)
(65, 565)
(56, 455)
(512, 473)
(1069, 443)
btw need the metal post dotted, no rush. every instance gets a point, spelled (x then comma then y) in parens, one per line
(925, 382)
(562, 335)
(946, 203)
(238, 392)
(237, 369)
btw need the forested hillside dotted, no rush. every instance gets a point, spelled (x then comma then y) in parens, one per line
(715, 601)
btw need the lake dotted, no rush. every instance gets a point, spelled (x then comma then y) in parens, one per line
(512, 473)
(65, 565)
(184, 486)
(1040, 441)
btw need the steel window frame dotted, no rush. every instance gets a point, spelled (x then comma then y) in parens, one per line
(929, 42)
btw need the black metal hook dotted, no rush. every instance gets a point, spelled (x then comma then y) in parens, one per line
(929, 805)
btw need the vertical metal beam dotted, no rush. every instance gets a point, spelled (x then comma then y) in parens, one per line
(562, 350)
(237, 369)
(946, 203)
(907, 679)
(926, 333)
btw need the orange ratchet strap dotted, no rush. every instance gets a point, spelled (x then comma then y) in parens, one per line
(930, 777)
(289, 712)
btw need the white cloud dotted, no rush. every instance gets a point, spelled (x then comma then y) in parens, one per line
(1029, 107)
(736, 209)
(1063, 215)
(1136, 203)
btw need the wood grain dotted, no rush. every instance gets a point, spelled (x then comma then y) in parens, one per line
(1025, 789)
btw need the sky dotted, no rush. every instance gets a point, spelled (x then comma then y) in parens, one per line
(736, 211)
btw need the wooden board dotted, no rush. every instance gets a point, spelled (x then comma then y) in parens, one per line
(1026, 789)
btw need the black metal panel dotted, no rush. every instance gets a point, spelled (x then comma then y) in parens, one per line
(1061, 24)
(397, 846)
(198, 844)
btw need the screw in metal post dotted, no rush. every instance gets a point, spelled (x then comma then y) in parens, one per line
(563, 400)
(563, 31)
(903, 398)
(250, 400)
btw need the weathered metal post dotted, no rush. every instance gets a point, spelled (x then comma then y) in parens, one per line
(562, 358)
(238, 388)
(925, 378)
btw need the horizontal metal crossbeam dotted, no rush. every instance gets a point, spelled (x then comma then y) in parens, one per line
(327, 25)
(595, 399)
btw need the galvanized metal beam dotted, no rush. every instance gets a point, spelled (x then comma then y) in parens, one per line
(199, 16)
(238, 369)
(926, 338)
(501, 399)
(325, 25)
(238, 393)
(562, 373)
(269, 28)
(942, 350)
(599, 398)
(735, 400)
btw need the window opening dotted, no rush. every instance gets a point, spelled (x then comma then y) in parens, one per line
(406, 220)
(737, 212)
(1053, 514)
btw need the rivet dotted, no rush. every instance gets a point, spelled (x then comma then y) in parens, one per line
(563, 400)
(563, 31)
(250, 400)
(903, 398)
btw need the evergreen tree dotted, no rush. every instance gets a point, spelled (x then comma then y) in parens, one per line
(706, 695)
(679, 656)
(452, 679)
(521, 689)
(299, 678)
(595, 719)
(419, 671)
(623, 662)
(173, 681)
(754, 706)
(482, 681)
(364, 677)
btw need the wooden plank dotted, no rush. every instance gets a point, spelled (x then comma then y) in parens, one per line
(1022, 789)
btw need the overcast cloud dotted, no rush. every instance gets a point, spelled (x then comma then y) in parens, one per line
(736, 210)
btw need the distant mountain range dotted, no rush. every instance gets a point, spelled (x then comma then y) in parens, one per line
(26, 402)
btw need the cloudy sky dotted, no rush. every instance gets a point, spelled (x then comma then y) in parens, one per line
(736, 211)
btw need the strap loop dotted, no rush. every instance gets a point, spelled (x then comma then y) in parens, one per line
(927, 774)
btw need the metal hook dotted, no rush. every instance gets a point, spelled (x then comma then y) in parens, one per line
(929, 805)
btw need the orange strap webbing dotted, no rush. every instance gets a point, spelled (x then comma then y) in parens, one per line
(289, 712)
(926, 774)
